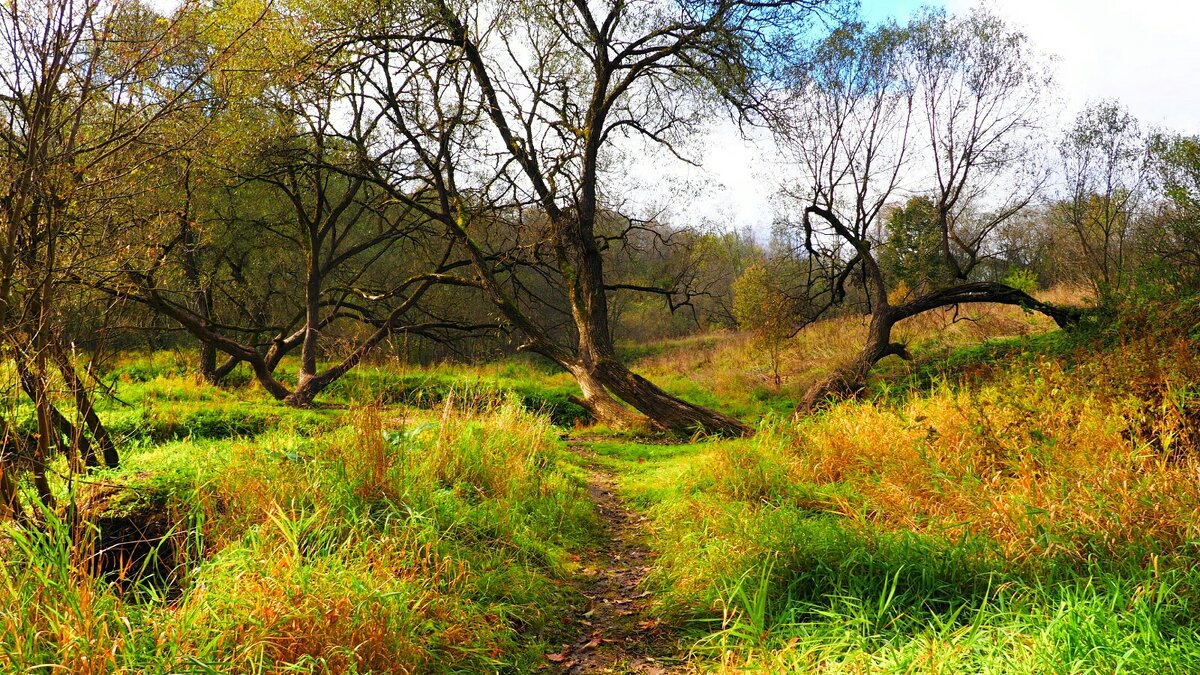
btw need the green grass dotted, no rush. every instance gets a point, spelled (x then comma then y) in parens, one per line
(773, 580)
(1025, 505)
(372, 540)
(1010, 505)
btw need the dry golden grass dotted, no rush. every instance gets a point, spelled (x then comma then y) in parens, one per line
(730, 366)
(1047, 460)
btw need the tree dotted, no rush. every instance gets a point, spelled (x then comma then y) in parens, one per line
(666, 280)
(1103, 158)
(953, 98)
(763, 307)
(911, 253)
(294, 187)
(81, 86)
(1175, 160)
(521, 109)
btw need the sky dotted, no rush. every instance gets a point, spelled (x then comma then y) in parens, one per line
(1144, 54)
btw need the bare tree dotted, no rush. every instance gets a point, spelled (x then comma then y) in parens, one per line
(74, 110)
(540, 94)
(1104, 161)
(949, 99)
(330, 236)
(86, 88)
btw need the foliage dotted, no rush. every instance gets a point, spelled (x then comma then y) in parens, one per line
(763, 307)
(1021, 279)
(1176, 163)
(912, 254)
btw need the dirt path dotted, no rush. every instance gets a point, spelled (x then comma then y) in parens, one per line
(616, 633)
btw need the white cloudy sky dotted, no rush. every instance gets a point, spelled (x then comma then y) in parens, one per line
(1143, 53)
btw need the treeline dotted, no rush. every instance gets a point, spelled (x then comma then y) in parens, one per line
(323, 181)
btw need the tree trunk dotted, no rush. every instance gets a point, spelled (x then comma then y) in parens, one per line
(10, 504)
(83, 404)
(312, 383)
(208, 363)
(312, 318)
(224, 369)
(82, 447)
(603, 407)
(45, 425)
(850, 378)
(582, 269)
(663, 409)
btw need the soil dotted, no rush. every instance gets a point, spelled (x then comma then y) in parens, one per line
(616, 633)
(129, 547)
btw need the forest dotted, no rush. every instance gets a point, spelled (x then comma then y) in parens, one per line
(352, 337)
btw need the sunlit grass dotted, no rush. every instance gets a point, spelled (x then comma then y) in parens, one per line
(382, 540)
(1027, 510)
(1015, 500)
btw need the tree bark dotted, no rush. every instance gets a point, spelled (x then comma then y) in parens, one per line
(45, 426)
(83, 404)
(82, 447)
(10, 503)
(850, 378)
(603, 407)
(208, 363)
(10, 506)
(665, 410)
(224, 369)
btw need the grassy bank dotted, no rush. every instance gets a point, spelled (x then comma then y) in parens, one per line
(1033, 512)
(1013, 500)
(374, 540)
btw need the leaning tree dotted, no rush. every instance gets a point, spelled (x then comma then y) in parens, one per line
(523, 107)
(944, 108)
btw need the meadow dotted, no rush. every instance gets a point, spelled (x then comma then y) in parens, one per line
(1015, 499)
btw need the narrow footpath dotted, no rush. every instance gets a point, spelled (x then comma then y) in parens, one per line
(616, 634)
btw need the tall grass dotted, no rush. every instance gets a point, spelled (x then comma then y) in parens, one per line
(380, 542)
(723, 370)
(1036, 513)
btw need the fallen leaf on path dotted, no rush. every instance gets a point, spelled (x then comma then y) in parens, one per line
(648, 624)
(557, 658)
